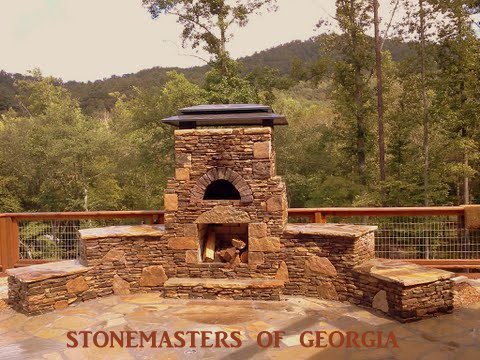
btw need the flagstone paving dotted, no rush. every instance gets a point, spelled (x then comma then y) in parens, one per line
(453, 336)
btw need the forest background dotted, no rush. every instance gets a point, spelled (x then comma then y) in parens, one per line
(381, 112)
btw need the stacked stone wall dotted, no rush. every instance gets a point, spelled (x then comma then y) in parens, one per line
(38, 297)
(321, 266)
(404, 303)
(125, 265)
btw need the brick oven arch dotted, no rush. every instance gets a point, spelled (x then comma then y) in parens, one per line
(234, 178)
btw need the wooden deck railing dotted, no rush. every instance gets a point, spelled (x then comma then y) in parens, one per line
(9, 225)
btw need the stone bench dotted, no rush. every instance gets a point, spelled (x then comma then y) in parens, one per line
(403, 290)
(237, 289)
(41, 288)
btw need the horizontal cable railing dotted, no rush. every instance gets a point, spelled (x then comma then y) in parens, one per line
(427, 235)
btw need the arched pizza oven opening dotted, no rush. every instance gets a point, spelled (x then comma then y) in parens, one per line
(221, 184)
(221, 190)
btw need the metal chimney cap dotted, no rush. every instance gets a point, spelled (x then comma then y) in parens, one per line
(226, 115)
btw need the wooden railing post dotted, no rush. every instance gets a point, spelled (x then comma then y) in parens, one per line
(9, 243)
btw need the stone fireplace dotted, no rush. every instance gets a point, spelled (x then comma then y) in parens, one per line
(223, 243)
(226, 235)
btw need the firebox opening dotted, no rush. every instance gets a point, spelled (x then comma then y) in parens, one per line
(221, 190)
(224, 243)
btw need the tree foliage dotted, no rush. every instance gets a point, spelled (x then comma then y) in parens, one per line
(114, 153)
(209, 24)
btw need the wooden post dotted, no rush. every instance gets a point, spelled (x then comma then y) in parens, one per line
(15, 242)
(9, 243)
(320, 218)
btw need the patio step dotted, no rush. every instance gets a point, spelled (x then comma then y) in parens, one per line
(237, 289)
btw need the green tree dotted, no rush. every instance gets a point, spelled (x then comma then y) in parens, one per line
(208, 23)
(144, 158)
(61, 158)
(458, 91)
(352, 58)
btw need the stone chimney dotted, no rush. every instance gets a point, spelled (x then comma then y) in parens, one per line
(225, 186)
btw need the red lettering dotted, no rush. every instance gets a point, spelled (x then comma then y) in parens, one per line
(391, 337)
(235, 335)
(130, 338)
(178, 335)
(71, 337)
(331, 339)
(105, 339)
(118, 338)
(319, 338)
(165, 338)
(220, 339)
(302, 339)
(269, 337)
(85, 337)
(152, 339)
(352, 337)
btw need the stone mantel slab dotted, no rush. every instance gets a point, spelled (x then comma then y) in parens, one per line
(122, 231)
(40, 272)
(330, 230)
(404, 273)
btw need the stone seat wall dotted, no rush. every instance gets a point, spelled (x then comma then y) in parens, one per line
(45, 287)
(404, 291)
(320, 258)
(329, 261)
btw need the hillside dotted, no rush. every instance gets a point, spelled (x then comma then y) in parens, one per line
(94, 95)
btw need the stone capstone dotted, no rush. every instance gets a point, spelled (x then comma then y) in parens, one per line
(320, 265)
(120, 286)
(153, 276)
(223, 215)
(131, 231)
(380, 301)
(403, 273)
(77, 285)
(269, 243)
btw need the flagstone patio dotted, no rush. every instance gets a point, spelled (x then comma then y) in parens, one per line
(453, 336)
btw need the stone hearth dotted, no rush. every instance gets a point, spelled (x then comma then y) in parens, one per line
(226, 236)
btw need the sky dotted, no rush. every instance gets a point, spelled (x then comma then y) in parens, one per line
(93, 39)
